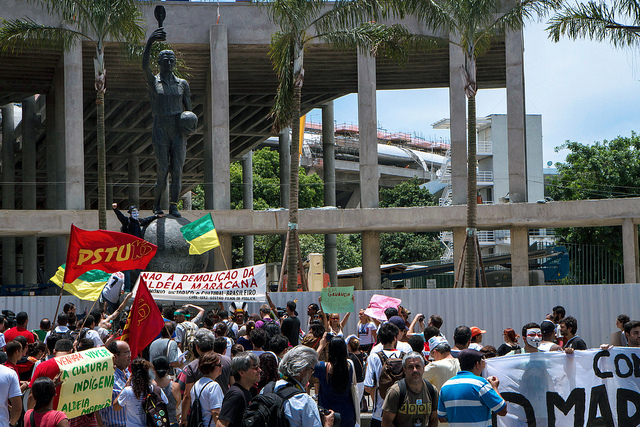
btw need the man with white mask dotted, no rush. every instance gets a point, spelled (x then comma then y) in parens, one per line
(532, 337)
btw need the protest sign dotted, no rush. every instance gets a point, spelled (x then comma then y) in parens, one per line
(87, 381)
(591, 387)
(242, 284)
(337, 299)
(378, 304)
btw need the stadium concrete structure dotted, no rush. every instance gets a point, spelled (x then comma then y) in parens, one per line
(49, 161)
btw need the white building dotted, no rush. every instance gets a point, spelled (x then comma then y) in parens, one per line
(493, 176)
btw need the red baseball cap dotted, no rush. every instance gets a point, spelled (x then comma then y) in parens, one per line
(476, 331)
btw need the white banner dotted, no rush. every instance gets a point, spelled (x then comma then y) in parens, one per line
(242, 284)
(591, 387)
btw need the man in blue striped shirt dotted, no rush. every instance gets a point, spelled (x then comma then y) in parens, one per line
(467, 399)
(121, 361)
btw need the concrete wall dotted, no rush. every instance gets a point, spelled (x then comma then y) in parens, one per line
(494, 309)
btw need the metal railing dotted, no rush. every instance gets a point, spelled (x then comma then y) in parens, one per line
(484, 147)
(485, 176)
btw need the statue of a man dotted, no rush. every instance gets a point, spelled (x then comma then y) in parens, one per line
(172, 122)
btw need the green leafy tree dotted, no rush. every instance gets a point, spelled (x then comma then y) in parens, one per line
(474, 23)
(408, 247)
(300, 23)
(606, 170)
(94, 21)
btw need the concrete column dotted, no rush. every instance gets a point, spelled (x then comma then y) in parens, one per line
(133, 172)
(630, 251)
(458, 119)
(329, 167)
(284, 146)
(51, 255)
(369, 197)
(459, 234)
(247, 203)
(216, 141)
(371, 260)
(73, 128)
(516, 117)
(29, 243)
(8, 191)
(519, 256)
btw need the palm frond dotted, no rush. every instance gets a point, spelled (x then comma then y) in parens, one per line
(437, 15)
(590, 20)
(281, 52)
(349, 14)
(395, 42)
(15, 34)
(525, 10)
(293, 15)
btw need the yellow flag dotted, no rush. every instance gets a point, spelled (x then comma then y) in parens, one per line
(303, 121)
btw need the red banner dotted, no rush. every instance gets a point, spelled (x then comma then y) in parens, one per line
(108, 251)
(144, 322)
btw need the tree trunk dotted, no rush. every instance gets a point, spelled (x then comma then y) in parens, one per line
(472, 200)
(102, 163)
(292, 255)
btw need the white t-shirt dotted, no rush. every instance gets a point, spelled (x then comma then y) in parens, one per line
(401, 346)
(372, 375)
(440, 371)
(9, 387)
(134, 413)
(57, 330)
(475, 346)
(95, 337)
(2, 341)
(210, 394)
(111, 291)
(365, 333)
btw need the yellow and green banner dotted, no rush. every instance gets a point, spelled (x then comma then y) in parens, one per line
(87, 287)
(201, 234)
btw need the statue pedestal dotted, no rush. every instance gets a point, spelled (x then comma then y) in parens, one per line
(173, 251)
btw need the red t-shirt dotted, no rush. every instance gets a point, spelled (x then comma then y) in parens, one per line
(48, 368)
(12, 333)
(44, 419)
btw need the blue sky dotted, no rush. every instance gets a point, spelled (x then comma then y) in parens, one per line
(585, 91)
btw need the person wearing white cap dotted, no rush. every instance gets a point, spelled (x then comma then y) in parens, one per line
(444, 366)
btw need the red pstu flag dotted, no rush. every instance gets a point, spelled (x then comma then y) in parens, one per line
(108, 251)
(144, 322)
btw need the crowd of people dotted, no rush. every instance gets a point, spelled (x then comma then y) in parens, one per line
(225, 363)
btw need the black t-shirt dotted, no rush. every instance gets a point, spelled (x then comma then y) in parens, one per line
(358, 363)
(291, 329)
(233, 405)
(576, 343)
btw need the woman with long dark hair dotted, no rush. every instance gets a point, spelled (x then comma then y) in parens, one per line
(170, 388)
(336, 378)
(43, 415)
(131, 397)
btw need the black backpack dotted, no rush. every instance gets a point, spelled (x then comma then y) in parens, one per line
(155, 409)
(267, 409)
(195, 413)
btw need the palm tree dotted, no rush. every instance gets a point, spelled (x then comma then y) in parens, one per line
(473, 23)
(617, 22)
(94, 21)
(301, 22)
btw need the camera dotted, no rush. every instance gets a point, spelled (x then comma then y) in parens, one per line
(329, 336)
(325, 412)
(421, 319)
